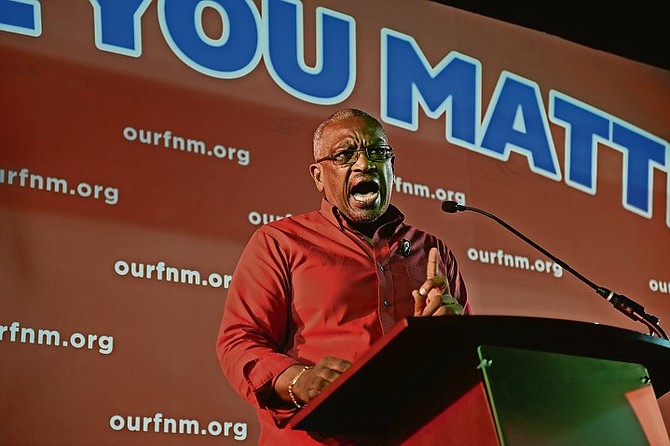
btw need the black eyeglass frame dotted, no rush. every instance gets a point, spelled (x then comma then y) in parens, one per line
(387, 154)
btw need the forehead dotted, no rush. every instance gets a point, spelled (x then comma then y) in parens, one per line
(353, 129)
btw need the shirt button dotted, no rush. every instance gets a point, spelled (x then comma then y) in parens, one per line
(381, 268)
(386, 302)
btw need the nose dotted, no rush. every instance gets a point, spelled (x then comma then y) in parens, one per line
(363, 163)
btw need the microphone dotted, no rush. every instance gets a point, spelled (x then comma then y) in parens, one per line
(452, 206)
(627, 306)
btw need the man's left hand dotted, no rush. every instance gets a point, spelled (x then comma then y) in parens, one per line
(434, 298)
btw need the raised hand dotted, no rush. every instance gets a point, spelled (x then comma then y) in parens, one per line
(434, 298)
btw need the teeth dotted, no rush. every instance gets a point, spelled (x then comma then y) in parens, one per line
(368, 198)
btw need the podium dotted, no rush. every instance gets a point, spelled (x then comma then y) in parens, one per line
(499, 381)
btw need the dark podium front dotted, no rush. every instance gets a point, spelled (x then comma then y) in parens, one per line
(500, 380)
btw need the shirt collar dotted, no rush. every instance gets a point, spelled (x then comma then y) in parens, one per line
(393, 216)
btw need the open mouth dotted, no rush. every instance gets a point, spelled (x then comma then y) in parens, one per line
(365, 192)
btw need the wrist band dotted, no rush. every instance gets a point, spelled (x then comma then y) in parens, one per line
(292, 383)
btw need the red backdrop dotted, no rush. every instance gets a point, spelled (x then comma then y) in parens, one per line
(106, 331)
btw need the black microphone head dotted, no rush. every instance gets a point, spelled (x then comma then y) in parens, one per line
(451, 207)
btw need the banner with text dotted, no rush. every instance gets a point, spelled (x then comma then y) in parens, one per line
(144, 141)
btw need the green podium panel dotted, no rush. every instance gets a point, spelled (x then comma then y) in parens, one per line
(551, 399)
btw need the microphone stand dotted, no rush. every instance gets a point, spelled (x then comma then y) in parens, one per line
(625, 305)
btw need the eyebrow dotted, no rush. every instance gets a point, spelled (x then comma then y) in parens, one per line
(350, 143)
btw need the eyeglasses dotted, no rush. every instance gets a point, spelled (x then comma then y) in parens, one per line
(347, 157)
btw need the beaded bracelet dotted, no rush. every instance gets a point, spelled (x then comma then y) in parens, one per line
(292, 383)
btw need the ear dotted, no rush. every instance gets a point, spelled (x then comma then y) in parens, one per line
(315, 171)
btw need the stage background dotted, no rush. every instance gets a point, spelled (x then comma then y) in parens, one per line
(116, 249)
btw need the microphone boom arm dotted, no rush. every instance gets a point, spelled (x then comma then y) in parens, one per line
(625, 305)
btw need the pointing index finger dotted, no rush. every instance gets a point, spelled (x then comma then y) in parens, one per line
(431, 270)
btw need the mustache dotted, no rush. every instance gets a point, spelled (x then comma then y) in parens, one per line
(365, 177)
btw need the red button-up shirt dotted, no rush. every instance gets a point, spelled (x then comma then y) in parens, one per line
(309, 286)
